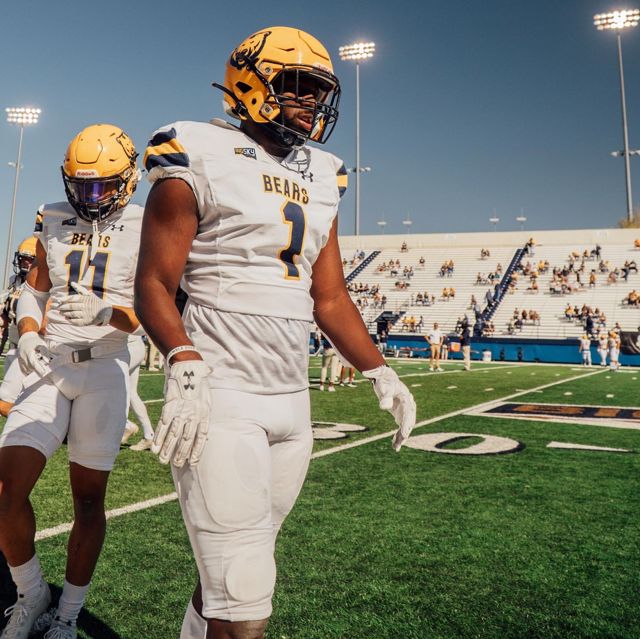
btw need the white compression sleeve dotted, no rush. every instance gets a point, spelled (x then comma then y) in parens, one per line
(32, 303)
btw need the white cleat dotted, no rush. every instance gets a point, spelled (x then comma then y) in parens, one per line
(23, 614)
(321, 387)
(440, 370)
(143, 444)
(61, 630)
(332, 389)
(129, 429)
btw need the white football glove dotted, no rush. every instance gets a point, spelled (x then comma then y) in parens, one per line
(395, 397)
(33, 354)
(184, 422)
(85, 308)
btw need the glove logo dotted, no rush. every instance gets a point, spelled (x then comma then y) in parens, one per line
(189, 385)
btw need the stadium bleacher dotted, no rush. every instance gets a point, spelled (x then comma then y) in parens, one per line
(617, 246)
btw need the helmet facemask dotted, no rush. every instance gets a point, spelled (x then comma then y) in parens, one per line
(22, 263)
(95, 199)
(306, 101)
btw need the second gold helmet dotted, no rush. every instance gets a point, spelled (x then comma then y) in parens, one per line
(99, 171)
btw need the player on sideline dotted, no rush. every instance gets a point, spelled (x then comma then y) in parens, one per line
(585, 349)
(78, 375)
(137, 354)
(614, 351)
(247, 218)
(603, 342)
(13, 376)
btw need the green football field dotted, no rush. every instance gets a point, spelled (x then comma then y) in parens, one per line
(422, 544)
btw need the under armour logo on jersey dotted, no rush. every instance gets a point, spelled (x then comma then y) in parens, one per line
(189, 385)
(248, 152)
(307, 176)
(115, 227)
(72, 221)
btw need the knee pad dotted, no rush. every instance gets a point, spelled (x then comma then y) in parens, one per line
(250, 579)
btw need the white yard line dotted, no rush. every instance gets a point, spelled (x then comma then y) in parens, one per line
(150, 503)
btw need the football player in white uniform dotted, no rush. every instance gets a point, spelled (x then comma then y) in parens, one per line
(246, 218)
(137, 352)
(585, 349)
(13, 375)
(77, 377)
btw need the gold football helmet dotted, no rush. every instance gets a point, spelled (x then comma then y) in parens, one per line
(280, 67)
(99, 171)
(24, 256)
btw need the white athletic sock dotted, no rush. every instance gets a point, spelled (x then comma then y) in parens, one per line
(71, 601)
(194, 626)
(28, 577)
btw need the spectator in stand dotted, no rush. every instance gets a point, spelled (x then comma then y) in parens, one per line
(585, 349)
(421, 262)
(592, 279)
(420, 324)
(528, 247)
(636, 243)
(632, 299)
(435, 342)
(404, 248)
(473, 302)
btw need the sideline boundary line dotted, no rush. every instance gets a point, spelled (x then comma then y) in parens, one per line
(60, 529)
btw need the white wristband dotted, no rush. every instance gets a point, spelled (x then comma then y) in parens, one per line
(181, 349)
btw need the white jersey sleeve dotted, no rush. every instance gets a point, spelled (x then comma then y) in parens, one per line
(263, 221)
(104, 262)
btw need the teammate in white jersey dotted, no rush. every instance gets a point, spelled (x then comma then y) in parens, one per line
(13, 375)
(76, 383)
(603, 341)
(246, 218)
(614, 351)
(585, 349)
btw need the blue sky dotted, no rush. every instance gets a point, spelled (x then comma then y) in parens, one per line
(467, 108)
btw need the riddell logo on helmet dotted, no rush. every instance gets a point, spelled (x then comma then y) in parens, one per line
(322, 67)
(86, 173)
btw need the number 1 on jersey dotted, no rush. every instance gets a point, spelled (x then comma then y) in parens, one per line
(293, 215)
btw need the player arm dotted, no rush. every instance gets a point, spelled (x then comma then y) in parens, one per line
(334, 312)
(35, 294)
(170, 223)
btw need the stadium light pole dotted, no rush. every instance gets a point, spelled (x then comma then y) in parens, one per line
(494, 220)
(617, 21)
(22, 116)
(408, 222)
(521, 219)
(357, 52)
(382, 224)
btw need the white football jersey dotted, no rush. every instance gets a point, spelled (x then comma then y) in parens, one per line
(10, 304)
(104, 262)
(263, 220)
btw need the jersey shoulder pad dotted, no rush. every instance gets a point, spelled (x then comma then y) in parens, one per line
(56, 211)
(166, 148)
(336, 166)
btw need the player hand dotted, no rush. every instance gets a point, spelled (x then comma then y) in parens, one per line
(85, 308)
(33, 354)
(184, 422)
(395, 397)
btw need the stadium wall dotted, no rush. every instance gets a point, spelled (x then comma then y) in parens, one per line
(574, 237)
(560, 351)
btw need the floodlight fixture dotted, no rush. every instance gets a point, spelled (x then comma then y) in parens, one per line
(357, 52)
(22, 116)
(617, 20)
